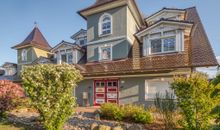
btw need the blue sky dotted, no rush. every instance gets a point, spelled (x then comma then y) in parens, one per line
(58, 20)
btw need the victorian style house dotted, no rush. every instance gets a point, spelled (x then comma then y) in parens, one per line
(124, 57)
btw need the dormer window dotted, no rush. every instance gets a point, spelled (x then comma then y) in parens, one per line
(105, 25)
(163, 42)
(24, 55)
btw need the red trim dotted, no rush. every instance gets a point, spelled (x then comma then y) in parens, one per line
(105, 93)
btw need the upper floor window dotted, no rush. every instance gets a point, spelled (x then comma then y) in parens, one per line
(106, 53)
(105, 25)
(24, 55)
(67, 56)
(163, 42)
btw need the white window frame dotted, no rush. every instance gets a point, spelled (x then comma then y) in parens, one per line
(101, 24)
(162, 45)
(24, 55)
(147, 98)
(100, 52)
(179, 42)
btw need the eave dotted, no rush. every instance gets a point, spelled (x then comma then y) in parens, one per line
(164, 21)
(114, 4)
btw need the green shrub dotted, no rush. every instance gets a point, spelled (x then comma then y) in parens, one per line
(112, 111)
(133, 113)
(136, 113)
(50, 89)
(166, 107)
(194, 98)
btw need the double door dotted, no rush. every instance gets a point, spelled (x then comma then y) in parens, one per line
(105, 91)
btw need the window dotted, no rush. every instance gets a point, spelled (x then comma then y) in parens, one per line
(105, 53)
(69, 58)
(81, 42)
(24, 55)
(163, 43)
(105, 24)
(154, 87)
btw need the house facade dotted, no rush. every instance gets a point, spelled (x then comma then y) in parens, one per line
(124, 57)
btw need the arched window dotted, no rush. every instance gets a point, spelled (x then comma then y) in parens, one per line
(105, 24)
(24, 55)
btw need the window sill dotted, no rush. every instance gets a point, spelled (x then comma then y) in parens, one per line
(105, 35)
(165, 53)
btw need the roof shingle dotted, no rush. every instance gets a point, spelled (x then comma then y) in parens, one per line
(35, 38)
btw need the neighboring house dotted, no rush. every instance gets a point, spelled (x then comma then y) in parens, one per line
(32, 48)
(8, 71)
(125, 58)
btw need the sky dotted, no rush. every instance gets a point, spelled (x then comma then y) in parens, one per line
(58, 20)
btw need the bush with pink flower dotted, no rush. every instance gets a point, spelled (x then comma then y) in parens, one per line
(9, 93)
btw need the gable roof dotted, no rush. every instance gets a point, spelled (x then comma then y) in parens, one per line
(164, 9)
(78, 33)
(36, 39)
(96, 4)
(74, 45)
(135, 10)
(180, 22)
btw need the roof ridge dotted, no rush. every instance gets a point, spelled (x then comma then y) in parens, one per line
(35, 38)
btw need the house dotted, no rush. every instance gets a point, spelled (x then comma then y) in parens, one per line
(8, 71)
(124, 57)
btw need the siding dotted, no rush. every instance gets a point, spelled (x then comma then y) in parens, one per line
(119, 24)
(131, 90)
(120, 50)
(29, 55)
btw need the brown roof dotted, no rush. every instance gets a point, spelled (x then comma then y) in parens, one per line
(35, 38)
(96, 4)
(201, 50)
(198, 53)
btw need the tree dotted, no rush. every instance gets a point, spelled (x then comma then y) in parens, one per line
(50, 89)
(194, 98)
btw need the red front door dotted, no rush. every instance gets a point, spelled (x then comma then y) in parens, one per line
(105, 91)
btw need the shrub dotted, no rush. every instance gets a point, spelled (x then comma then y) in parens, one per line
(142, 116)
(216, 94)
(166, 107)
(111, 111)
(136, 113)
(132, 113)
(9, 93)
(50, 89)
(194, 98)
